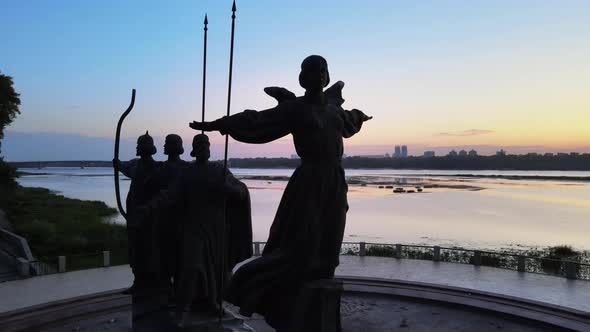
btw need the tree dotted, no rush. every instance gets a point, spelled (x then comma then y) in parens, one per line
(9, 109)
(9, 103)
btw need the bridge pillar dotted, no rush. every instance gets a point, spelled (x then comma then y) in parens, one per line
(106, 258)
(571, 270)
(23, 267)
(477, 258)
(61, 264)
(436, 254)
(521, 264)
(398, 250)
(362, 249)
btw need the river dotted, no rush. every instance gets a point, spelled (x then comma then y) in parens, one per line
(473, 212)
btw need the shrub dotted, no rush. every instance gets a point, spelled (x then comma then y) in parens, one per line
(551, 263)
(563, 251)
(7, 176)
(486, 260)
(56, 225)
(381, 251)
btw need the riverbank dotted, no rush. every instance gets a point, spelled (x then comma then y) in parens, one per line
(530, 162)
(56, 225)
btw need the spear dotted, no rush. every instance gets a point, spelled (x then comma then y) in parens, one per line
(225, 170)
(204, 71)
(116, 159)
(231, 62)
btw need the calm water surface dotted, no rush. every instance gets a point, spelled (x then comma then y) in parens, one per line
(502, 214)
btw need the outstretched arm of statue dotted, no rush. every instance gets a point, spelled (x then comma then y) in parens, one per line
(251, 126)
(126, 167)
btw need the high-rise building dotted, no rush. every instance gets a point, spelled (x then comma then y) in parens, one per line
(453, 153)
(472, 153)
(429, 154)
(462, 153)
(404, 151)
(398, 152)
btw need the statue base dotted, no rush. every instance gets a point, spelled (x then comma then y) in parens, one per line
(148, 317)
(196, 321)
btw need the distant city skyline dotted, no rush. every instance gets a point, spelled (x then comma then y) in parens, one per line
(436, 75)
(28, 147)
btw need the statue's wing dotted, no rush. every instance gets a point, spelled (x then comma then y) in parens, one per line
(333, 94)
(280, 94)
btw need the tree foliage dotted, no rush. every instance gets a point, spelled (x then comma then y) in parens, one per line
(9, 109)
(9, 102)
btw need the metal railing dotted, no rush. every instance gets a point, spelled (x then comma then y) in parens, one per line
(570, 269)
(84, 261)
(78, 262)
(41, 267)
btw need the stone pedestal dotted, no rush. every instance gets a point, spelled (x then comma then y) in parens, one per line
(318, 307)
(153, 313)
(165, 320)
(210, 323)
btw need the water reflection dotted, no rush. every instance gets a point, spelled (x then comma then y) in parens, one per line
(450, 212)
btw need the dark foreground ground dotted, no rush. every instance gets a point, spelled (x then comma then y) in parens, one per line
(359, 312)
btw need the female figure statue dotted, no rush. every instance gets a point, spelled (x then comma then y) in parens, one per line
(306, 234)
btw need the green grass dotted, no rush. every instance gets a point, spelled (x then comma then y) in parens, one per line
(55, 225)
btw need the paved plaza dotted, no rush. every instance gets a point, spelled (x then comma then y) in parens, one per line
(554, 290)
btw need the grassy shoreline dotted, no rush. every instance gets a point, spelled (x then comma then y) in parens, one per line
(55, 225)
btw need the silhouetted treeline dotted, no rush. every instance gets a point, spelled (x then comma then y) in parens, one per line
(569, 162)
(508, 162)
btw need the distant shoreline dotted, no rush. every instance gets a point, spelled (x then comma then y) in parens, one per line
(361, 180)
(561, 162)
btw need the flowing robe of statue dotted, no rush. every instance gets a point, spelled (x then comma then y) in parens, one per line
(168, 220)
(307, 231)
(140, 232)
(200, 194)
(238, 227)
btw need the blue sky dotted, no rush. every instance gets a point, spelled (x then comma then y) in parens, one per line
(516, 71)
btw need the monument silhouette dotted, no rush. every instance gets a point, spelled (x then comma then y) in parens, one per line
(306, 234)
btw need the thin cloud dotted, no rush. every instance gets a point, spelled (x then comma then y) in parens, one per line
(468, 132)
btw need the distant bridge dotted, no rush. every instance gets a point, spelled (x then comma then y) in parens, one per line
(65, 163)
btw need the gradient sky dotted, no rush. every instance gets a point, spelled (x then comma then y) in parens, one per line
(434, 74)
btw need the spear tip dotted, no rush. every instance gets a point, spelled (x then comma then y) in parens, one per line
(233, 7)
(206, 21)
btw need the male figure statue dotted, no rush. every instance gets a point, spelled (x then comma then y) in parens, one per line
(139, 226)
(204, 193)
(168, 219)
